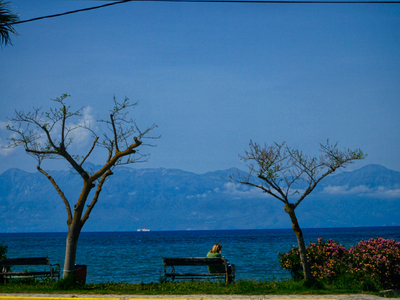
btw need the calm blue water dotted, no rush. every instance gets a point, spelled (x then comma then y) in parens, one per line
(136, 256)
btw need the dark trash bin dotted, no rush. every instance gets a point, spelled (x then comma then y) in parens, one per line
(80, 273)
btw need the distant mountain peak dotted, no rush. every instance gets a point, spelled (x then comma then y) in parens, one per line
(373, 167)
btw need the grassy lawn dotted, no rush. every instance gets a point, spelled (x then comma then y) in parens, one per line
(240, 287)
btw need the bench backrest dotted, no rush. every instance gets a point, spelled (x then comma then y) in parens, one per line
(25, 261)
(193, 261)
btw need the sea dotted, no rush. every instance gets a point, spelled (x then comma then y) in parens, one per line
(136, 257)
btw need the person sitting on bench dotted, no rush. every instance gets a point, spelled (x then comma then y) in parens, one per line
(216, 252)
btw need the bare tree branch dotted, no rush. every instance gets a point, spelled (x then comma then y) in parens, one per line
(60, 192)
(280, 167)
(95, 197)
(90, 151)
(114, 160)
(115, 133)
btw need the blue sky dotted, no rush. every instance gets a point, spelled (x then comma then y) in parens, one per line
(214, 76)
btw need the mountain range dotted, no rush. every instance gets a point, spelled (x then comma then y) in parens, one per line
(172, 199)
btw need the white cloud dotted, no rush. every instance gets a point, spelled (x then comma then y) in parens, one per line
(334, 190)
(3, 125)
(3, 139)
(240, 191)
(388, 193)
(363, 190)
(204, 195)
(82, 136)
(5, 151)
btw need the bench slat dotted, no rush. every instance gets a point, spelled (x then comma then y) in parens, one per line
(25, 261)
(193, 261)
(26, 273)
(195, 274)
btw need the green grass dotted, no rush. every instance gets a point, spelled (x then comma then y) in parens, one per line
(240, 287)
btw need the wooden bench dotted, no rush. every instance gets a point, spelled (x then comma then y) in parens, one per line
(6, 264)
(172, 262)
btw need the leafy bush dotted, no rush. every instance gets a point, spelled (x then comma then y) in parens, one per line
(373, 263)
(291, 261)
(3, 251)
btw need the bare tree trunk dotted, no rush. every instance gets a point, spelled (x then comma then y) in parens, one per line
(74, 229)
(70, 253)
(289, 208)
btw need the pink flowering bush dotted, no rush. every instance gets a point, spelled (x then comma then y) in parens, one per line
(377, 258)
(375, 262)
(326, 259)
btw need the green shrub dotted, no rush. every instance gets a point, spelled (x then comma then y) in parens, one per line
(69, 283)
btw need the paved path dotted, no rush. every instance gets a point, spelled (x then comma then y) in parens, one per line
(183, 297)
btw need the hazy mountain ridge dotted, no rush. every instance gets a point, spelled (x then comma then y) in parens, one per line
(172, 199)
(371, 175)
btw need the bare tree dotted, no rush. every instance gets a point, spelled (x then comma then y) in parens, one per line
(49, 135)
(6, 19)
(279, 171)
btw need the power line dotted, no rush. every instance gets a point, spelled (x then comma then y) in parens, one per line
(210, 1)
(69, 12)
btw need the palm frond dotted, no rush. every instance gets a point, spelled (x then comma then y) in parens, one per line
(7, 17)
